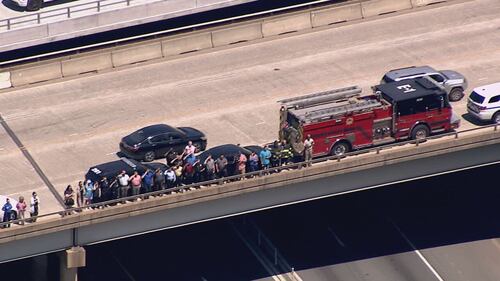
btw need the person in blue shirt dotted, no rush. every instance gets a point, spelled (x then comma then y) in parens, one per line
(265, 156)
(148, 180)
(7, 211)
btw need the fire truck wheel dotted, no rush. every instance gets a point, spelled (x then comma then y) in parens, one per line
(456, 94)
(420, 132)
(339, 149)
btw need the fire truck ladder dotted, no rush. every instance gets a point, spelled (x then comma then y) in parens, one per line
(331, 112)
(322, 97)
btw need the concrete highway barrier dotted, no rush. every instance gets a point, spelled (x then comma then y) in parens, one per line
(379, 7)
(12, 36)
(187, 44)
(420, 3)
(5, 80)
(36, 74)
(170, 6)
(85, 64)
(136, 54)
(286, 24)
(336, 15)
(237, 34)
(82, 23)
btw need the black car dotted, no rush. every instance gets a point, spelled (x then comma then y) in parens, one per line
(230, 151)
(156, 141)
(112, 169)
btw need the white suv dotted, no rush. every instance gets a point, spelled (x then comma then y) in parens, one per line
(484, 103)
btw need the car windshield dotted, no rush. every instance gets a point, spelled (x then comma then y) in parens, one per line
(476, 97)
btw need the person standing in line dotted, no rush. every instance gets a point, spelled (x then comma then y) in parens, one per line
(135, 181)
(308, 149)
(80, 194)
(265, 156)
(34, 206)
(148, 179)
(170, 177)
(190, 149)
(254, 162)
(178, 169)
(221, 166)
(88, 193)
(69, 198)
(105, 189)
(209, 165)
(123, 180)
(96, 192)
(7, 212)
(21, 209)
(159, 180)
(197, 171)
(242, 164)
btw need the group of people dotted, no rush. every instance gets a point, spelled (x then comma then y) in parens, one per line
(20, 209)
(183, 169)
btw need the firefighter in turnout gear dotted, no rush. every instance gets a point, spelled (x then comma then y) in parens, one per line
(276, 154)
(286, 153)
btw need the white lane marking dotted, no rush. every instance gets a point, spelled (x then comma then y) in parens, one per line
(260, 123)
(74, 134)
(336, 237)
(111, 153)
(419, 254)
(481, 79)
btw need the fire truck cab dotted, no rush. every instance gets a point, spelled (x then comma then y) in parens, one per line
(342, 120)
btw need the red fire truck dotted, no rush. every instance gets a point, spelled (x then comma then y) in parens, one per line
(342, 120)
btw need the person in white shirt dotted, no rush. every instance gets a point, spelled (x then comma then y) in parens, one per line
(308, 149)
(34, 206)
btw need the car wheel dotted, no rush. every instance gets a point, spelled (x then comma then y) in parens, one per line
(149, 156)
(420, 132)
(496, 118)
(339, 149)
(456, 94)
(34, 5)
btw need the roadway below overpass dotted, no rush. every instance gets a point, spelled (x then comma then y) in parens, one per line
(230, 93)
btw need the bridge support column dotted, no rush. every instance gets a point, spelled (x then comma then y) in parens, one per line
(70, 261)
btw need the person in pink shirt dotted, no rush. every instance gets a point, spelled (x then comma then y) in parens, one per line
(21, 209)
(242, 163)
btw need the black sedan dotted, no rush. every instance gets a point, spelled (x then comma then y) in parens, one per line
(111, 169)
(156, 141)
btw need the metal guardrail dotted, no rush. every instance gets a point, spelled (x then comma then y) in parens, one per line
(192, 27)
(65, 13)
(261, 173)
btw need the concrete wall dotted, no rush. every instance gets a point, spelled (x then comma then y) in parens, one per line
(195, 41)
(379, 7)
